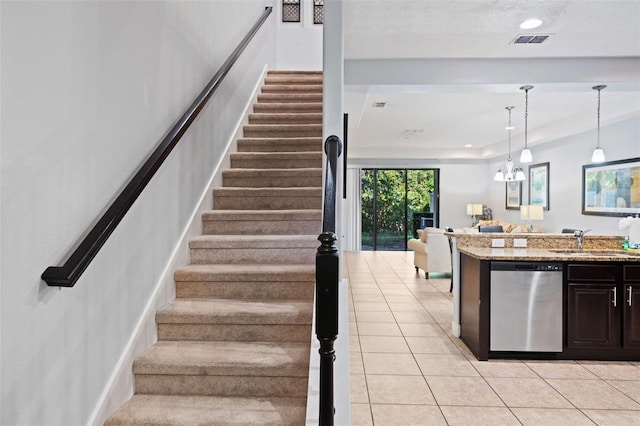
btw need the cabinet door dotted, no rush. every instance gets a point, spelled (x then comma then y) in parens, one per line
(631, 324)
(591, 316)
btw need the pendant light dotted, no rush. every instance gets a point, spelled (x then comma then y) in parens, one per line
(526, 157)
(598, 153)
(509, 173)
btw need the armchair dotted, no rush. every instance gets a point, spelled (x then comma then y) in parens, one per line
(431, 251)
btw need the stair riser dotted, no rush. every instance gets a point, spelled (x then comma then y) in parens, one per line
(276, 119)
(289, 98)
(280, 256)
(272, 227)
(249, 386)
(278, 146)
(288, 108)
(245, 289)
(276, 163)
(230, 332)
(291, 79)
(222, 202)
(251, 131)
(292, 88)
(280, 73)
(272, 182)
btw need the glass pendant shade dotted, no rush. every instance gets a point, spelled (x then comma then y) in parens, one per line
(526, 156)
(509, 173)
(598, 155)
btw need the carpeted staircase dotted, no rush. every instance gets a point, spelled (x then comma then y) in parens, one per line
(233, 348)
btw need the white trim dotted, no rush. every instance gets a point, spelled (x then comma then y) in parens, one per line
(119, 387)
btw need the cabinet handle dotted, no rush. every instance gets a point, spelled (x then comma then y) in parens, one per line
(615, 296)
(630, 293)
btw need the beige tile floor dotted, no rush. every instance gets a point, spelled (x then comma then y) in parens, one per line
(407, 369)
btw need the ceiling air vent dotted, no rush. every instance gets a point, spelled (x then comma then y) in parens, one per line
(380, 104)
(530, 38)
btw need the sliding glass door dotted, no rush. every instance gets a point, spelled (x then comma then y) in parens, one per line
(395, 203)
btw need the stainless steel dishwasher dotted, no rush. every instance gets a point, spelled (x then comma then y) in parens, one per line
(526, 307)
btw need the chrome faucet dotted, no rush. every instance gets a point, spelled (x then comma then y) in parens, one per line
(579, 234)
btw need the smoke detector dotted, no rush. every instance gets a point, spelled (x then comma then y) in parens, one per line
(530, 38)
(411, 133)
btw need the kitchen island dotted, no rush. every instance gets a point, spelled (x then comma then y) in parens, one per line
(548, 300)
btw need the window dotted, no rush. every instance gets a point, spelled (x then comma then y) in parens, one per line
(318, 11)
(290, 10)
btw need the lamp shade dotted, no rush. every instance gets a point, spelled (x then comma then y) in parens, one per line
(536, 212)
(474, 209)
(532, 212)
(598, 155)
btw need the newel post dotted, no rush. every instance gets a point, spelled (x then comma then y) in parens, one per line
(327, 262)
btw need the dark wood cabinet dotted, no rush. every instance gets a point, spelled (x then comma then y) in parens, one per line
(592, 318)
(603, 311)
(631, 303)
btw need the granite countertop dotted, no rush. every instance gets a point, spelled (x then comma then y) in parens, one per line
(559, 255)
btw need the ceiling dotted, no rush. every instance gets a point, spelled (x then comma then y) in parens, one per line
(446, 70)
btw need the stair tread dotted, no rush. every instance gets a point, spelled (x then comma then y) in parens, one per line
(236, 311)
(262, 214)
(271, 192)
(303, 171)
(255, 273)
(278, 155)
(209, 410)
(266, 359)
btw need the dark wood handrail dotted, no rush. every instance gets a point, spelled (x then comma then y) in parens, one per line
(327, 278)
(333, 148)
(67, 274)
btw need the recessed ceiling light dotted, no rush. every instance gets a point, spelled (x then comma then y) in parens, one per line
(509, 128)
(468, 145)
(530, 24)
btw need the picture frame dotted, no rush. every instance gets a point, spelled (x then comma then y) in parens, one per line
(513, 195)
(611, 188)
(539, 184)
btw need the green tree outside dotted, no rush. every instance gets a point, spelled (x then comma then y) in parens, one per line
(394, 224)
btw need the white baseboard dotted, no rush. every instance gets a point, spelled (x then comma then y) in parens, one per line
(119, 388)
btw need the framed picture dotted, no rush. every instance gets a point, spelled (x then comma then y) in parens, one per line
(612, 188)
(513, 195)
(539, 184)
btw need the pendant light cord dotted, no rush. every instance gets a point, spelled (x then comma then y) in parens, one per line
(598, 118)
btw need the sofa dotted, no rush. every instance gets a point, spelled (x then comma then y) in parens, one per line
(511, 228)
(431, 251)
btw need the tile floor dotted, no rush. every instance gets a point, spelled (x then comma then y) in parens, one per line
(407, 368)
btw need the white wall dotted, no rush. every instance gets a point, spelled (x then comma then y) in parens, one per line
(299, 44)
(566, 157)
(88, 90)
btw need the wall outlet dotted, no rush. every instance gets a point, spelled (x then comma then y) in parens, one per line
(520, 242)
(497, 242)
